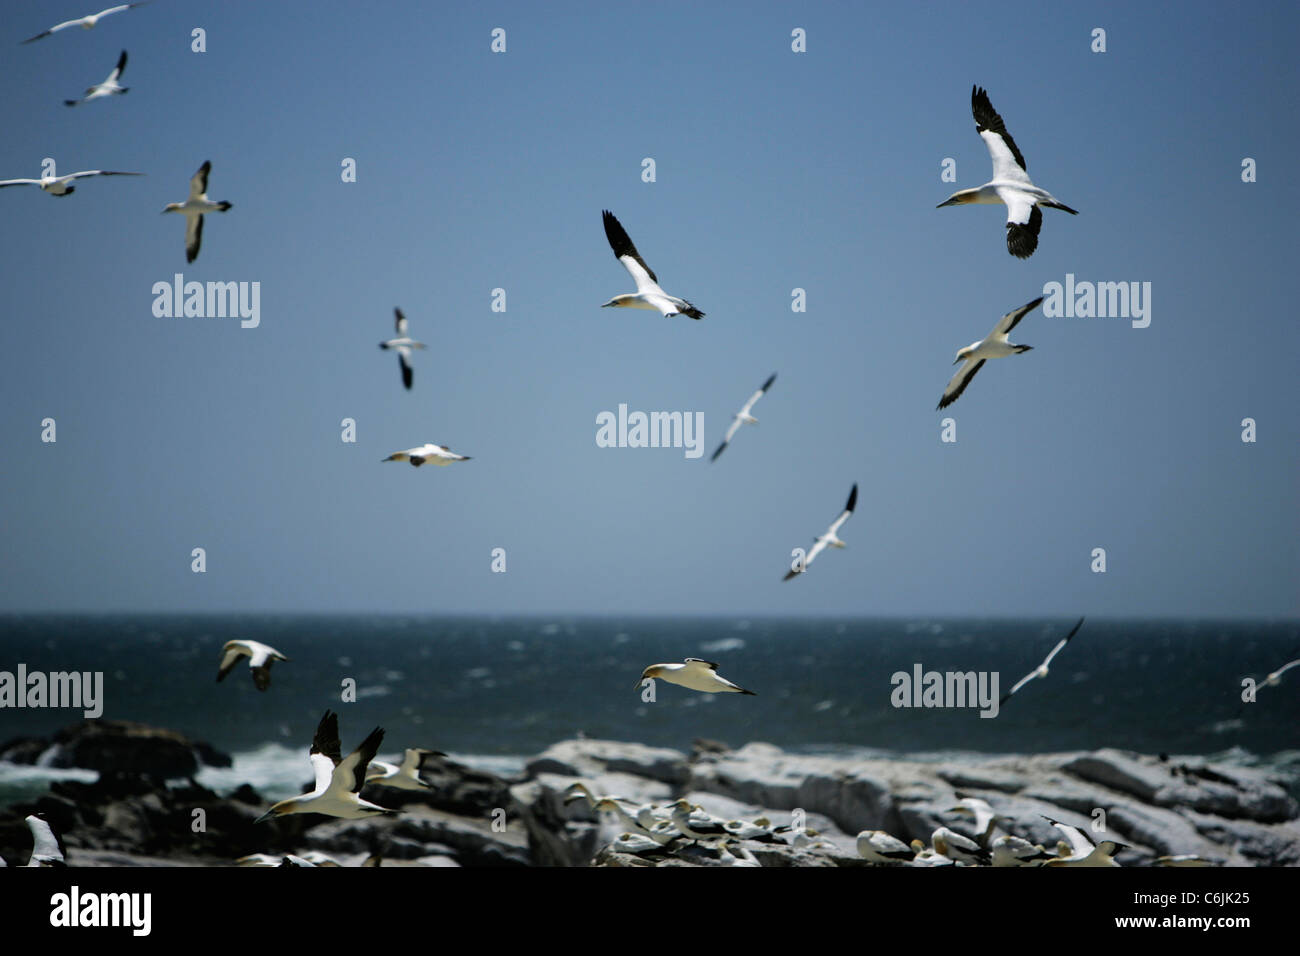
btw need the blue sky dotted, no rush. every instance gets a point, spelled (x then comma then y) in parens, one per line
(775, 170)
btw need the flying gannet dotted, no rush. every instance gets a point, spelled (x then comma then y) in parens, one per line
(260, 658)
(338, 781)
(995, 345)
(59, 185)
(45, 845)
(1041, 669)
(1010, 184)
(194, 208)
(430, 453)
(695, 674)
(87, 22)
(830, 537)
(1083, 851)
(648, 295)
(108, 88)
(406, 776)
(403, 344)
(743, 417)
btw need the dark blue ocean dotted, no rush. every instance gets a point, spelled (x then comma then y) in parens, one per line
(502, 689)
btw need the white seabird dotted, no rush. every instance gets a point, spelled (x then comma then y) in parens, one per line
(743, 417)
(429, 453)
(830, 537)
(1083, 851)
(956, 847)
(406, 776)
(194, 208)
(59, 185)
(994, 345)
(260, 658)
(87, 22)
(648, 295)
(45, 845)
(403, 344)
(1010, 184)
(108, 88)
(691, 821)
(986, 820)
(338, 781)
(1275, 678)
(879, 847)
(1013, 851)
(924, 856)
(693, 673)
(1041, 669)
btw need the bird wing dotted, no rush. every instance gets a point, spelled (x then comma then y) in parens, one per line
(326, 740)
(695, 660)
(350, 774)
(199, 181)
(193, 237)
(229, 660)
(1008, 164)
(45, 847)
(957, 384)
(56, 28)
(645, 279)
(19, 182)
(757, 395)
(1012, 318)
(1080, 844)
(117, 70)
(324, 768)
(1065, 640)
(1024, 220)
(401, 323)
(848, 510)
(404, 360)
(1019, 684)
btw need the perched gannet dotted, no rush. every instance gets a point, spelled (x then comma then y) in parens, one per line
(661, 833)
(695, 674)
(338, 781)
(88, 21)
(108, 88)
(1013, 851)
(194, 208)
(260, 658)
(1010, 184)
(430, 453)
(924, 856)
(744, 830)
(877, 846)
(742, 857)
(986, 820)
(691, 820)
(1275, 678)
(403, 344)
(743, 417)
(820, 543)
(954, 846)
(634, 843)
(994, 345)
(648, 295)
(405, 777)
(58, 185)
(1041, 669)
(1083, 851)
(45, 845)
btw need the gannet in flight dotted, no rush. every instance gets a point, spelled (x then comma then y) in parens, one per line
(108, 87)
(260, 658)
(403, 344)
(338, 781)
(1010, 184)
(1083, 851)
(829, 537)
(194, 208)
(995, 345)
(1041, 669)
(1275, 678)
(45, 845)
(695, 674)
(405, 777)
(58, 185)
(648, 295)
(743, 417)
(430, 453)
(88, 21)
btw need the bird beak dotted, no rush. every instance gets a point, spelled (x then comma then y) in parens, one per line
(956, 360)
(639, 683)
(266, 816)
(951, 201)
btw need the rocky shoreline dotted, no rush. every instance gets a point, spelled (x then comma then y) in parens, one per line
(146, 810)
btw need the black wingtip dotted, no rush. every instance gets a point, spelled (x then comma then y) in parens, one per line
(853, 497)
